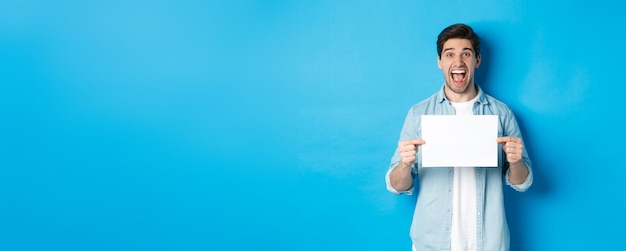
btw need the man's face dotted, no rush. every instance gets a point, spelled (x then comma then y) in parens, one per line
(457, 62)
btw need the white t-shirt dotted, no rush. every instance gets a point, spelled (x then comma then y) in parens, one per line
(463, 233)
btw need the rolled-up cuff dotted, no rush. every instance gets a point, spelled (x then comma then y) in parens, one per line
(521, 187)
(391, 189)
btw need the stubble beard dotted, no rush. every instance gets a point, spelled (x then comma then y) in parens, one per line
(458, 89)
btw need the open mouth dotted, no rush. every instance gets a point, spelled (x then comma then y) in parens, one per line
(458, 76)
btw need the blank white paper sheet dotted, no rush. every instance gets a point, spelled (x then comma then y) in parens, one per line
(459, 141)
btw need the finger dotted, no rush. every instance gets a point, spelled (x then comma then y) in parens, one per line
(408, 153)
(514, 153)
(503, 140)
(408, 163)
(419, 142)
(513, 157)
(510, 146)
(416, 142)
(507, 139)
(514, 145)
(513, 150)
(408, 158)
(406, 148)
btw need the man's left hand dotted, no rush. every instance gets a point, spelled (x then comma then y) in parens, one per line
(513, 147)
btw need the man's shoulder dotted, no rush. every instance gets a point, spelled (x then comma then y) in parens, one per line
(426, 106)
(497, 107)
(496, 103)
(434, 99)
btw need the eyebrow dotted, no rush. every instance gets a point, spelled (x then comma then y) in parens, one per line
(464, 49)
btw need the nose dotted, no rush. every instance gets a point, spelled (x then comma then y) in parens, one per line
(458, 61)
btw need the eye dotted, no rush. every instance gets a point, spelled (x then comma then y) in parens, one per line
(467, 54)
(449, 54)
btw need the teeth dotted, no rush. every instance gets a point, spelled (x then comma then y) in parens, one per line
(458, 72)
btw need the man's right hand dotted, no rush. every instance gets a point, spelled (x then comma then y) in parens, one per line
(408, 150)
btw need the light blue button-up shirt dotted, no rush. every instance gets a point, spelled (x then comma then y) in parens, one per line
(432, 219)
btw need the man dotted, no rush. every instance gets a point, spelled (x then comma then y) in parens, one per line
(459, 208)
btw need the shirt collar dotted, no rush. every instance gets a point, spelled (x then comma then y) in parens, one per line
(482, 99)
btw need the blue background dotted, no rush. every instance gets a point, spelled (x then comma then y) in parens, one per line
(269, 125)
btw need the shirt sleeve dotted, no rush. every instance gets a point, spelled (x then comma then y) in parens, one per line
(521, 187)
(410, 130)
(391, 189)
(512, 129)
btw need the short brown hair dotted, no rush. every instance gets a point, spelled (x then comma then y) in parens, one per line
(458, 31)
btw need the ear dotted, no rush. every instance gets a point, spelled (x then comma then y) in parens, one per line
(477, 60)
(439, 62)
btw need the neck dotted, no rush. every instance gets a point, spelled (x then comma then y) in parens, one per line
(458, 97)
